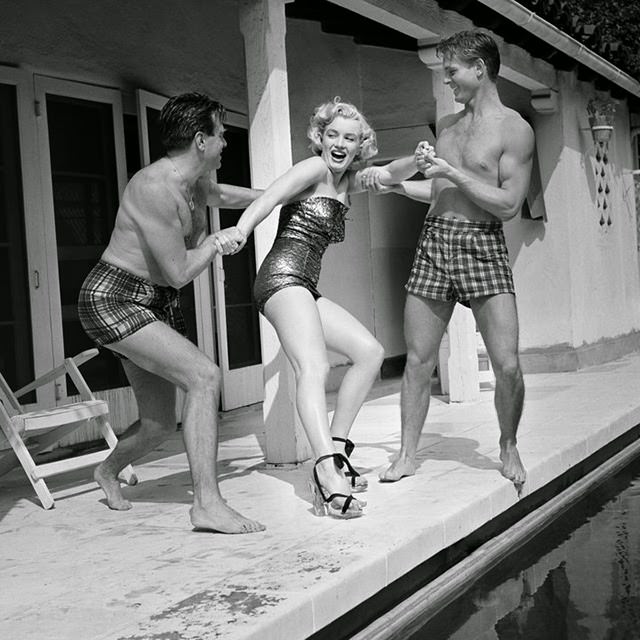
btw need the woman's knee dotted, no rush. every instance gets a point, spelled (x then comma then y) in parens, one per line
(312, 370)
(371, 355)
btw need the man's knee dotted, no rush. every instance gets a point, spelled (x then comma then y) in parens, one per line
(420, 364)
(206, 374)
(508, 370)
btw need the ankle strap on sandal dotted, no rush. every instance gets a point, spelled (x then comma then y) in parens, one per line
(348, 444)
(340, 461)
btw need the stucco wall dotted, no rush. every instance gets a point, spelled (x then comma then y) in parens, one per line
(603, 275)
(158, 46)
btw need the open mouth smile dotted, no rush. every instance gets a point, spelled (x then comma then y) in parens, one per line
(338, 155)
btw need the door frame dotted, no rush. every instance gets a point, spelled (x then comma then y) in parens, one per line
(35, 235)
(243, 386)
(43, 86)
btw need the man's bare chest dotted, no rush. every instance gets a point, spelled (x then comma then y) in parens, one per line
(477, 149)
(193, 224)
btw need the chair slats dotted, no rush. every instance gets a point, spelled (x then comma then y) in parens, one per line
(42, 428)
(56, 416)
(49, 469)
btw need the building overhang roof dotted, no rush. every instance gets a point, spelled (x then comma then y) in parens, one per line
(414, 24)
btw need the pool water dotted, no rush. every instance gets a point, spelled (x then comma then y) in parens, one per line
(579, 579)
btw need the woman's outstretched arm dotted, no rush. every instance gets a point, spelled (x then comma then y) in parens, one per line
(301, 176)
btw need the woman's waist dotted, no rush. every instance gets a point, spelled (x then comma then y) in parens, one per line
(314, 240)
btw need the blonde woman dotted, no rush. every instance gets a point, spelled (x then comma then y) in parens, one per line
(315, 198)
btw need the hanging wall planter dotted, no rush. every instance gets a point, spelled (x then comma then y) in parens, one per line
(602, 113)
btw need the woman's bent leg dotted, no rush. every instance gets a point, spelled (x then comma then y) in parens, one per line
(346, 335)
(294, 314)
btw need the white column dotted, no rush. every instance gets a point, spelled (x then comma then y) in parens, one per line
(263, 26)
(458, 357)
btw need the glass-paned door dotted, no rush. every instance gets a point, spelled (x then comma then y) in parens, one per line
(83, 174)
(239, 334)
(16, 352)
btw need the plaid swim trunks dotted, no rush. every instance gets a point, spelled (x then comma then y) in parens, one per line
(113, 304)
(460, 260)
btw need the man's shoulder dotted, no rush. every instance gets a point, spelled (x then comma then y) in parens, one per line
(514, 122)
(149, 182)
(449, 120)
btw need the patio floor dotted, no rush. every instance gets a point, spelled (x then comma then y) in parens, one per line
(81, 571)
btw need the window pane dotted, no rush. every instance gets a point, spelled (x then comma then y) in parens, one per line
(85, 198)
(243, 335)
(16, 351)
(156, 149)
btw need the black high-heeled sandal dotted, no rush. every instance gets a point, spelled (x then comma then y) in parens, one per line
(322, 503)
(357, 486)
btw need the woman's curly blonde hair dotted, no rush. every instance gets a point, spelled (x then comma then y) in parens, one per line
(326, 113)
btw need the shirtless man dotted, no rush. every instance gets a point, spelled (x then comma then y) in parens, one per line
(477, 178)
(129, 303)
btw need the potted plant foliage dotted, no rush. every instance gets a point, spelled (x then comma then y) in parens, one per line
(601, 118)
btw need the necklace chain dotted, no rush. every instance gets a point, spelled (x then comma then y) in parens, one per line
(190, 201)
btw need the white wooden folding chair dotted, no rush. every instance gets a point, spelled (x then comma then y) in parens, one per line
(30, 432)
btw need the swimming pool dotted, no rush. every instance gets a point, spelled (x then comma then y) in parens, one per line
(577, 579)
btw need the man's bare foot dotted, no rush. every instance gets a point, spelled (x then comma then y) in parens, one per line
(512, 467)
(222, 519)
(399, 468)
(110, 484)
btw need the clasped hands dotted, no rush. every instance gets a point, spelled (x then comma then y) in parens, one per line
(428, 163)
(228, 241)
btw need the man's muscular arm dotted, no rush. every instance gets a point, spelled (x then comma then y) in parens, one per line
(514, 171)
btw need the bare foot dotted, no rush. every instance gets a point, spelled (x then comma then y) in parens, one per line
(110, 484)
(222, 519)
(512, 467)
(399, 468)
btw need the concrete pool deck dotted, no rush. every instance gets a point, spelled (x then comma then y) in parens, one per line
(83, 571)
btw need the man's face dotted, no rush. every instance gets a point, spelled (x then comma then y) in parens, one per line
(214, 144)
(461, 77)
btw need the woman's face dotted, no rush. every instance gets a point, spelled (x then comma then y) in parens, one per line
(341, 143)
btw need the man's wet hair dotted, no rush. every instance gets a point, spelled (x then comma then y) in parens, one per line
(469, 46)
(184, 115)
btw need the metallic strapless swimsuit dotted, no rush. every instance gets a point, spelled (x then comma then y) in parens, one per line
(305, 229)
